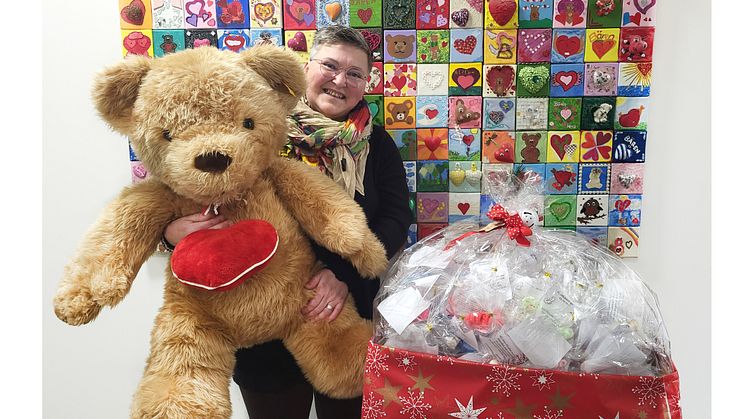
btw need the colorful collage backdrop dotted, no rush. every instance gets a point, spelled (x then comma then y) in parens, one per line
(555, 91)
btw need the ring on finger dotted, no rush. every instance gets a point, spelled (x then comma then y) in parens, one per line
(329, 307)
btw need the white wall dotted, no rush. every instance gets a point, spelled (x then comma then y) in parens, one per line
(92, 371)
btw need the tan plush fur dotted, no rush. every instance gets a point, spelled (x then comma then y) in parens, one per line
(202, 97)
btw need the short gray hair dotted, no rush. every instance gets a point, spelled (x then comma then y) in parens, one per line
(336, 34)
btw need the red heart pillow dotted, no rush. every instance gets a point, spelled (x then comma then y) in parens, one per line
(222, 259)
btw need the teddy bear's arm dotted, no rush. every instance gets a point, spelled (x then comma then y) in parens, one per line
(328, 215)
(113, 251)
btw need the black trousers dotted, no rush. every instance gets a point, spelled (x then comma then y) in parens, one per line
(273, 387)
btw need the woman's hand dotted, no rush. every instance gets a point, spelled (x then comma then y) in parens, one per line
(330, 292)
(182, 227)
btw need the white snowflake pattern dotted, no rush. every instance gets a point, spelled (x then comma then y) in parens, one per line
(372, 407)
(468, 412)
(444, 358)
(504, 379)
(499, 416)
(406, 362)
(414, 405)
(549, 414)
(375, 362)
(543, 380)
(649, 390)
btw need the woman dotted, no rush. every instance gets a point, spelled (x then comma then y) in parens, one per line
(331, 129)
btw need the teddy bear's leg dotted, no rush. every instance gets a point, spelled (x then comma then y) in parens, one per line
(332, 354)
(189, 368)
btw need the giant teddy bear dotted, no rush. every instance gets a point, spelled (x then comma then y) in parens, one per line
(208, 125)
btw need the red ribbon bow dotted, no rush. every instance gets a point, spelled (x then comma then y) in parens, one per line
(513, 223)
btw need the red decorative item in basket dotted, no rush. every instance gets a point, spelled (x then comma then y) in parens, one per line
(404, 384)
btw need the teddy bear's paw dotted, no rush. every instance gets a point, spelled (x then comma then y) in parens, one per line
(371, 260)
(178, 397)
(75, 305)
(109, 289)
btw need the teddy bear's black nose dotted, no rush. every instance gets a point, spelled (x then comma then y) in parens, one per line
(212, 162)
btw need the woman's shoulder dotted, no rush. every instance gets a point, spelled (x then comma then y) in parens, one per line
(380, 138)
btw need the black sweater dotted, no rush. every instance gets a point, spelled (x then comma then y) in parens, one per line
(386, 205)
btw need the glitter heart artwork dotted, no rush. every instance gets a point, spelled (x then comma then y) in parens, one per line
(457, 175)
(433, 79)
(460, 17)
(560, 210)
(533, 78)
(496, 116)
(133, 13)
(465, 46)
(372, 38)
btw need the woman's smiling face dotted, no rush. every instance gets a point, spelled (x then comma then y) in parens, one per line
(335, 96)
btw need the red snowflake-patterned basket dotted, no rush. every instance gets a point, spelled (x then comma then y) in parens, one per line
(412, 385)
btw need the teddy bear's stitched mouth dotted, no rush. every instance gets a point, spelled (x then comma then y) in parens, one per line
(212, 162)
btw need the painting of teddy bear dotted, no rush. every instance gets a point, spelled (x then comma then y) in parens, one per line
(554, 91)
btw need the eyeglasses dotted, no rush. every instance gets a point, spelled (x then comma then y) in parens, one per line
(354, 77)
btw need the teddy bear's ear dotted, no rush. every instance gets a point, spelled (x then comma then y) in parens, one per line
(282, 70)
(116, 88)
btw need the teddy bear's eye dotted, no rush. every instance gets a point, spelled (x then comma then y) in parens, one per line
(248, 123)
(166, 135)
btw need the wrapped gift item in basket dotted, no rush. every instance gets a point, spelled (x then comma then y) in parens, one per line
(512, 321)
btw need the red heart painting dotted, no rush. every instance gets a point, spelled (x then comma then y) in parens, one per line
(399, 81)
(644, 68)
(234, 42)
(500, 79)
(632, 118)
(468, 139)
(431, 113)
(567, 45)
(465, 77)
(432, 143)
(299, 10)
(502, 10)
(558, 143)
(602, 47)
(222, 259)
(466, 45)
(566, 79)
(365, 14)
(373, 39)
(622, 205)
(298, 42)
(463, 207)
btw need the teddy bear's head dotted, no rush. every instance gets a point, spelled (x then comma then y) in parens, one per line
(203, 121)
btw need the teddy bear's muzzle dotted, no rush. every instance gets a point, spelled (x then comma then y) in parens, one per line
(212, 162)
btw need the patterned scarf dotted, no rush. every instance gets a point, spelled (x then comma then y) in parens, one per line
(339, 149)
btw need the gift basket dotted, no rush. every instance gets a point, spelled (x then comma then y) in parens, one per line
(514, 321)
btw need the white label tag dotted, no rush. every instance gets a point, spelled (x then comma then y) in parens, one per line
(401, 308)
